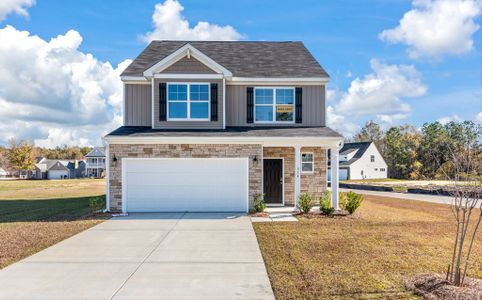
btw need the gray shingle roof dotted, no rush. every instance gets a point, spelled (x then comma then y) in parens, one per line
(359, 147)
(139, 131)
(96, 152)
(242, 58)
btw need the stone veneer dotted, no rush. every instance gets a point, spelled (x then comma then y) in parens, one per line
(181, 150)
(313, 183)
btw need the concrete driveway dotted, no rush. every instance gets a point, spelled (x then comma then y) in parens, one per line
(147, 256)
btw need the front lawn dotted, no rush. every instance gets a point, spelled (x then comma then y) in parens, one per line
(37, 214)
(365, 257)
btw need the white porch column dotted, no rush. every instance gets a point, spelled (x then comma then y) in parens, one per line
(107, 176)
(297, 174)
(334, 159)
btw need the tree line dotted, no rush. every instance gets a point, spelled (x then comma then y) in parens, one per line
(423, 153)
(21, 155)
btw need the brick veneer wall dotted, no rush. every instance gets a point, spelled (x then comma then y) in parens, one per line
(181, 150)
(313, 184)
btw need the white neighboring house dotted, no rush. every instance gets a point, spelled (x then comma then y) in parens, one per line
(361, 161)
(3, 173)
(95, 163)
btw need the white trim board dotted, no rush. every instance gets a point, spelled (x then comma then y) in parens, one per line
(186, 50)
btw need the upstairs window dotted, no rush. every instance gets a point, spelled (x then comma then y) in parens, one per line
(372, 158)
(188, 101)
(274, 105)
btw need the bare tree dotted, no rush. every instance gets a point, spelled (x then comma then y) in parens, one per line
(465, 173)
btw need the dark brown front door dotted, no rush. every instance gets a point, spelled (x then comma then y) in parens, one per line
(273, 181)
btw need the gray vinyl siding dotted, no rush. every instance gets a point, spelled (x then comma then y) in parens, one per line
(188, 66)
(188, 124)
(137, 105)
(313, 106)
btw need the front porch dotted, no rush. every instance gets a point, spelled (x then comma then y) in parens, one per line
(294, 170)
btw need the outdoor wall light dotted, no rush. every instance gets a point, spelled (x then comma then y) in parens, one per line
(255, 159)
(114, 159)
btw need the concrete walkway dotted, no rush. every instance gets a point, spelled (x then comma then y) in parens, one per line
(147, 256)
(405, 196)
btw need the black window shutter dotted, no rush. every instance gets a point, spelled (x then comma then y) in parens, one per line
(214, 102)
(299, 104)
(249, 104)
(162, 101)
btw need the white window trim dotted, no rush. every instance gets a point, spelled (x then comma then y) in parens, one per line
(312, 163)
(274, 105)
(188, 101)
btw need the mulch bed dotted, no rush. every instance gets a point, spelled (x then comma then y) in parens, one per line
(317, 215)
(435, 287)
(259, 214)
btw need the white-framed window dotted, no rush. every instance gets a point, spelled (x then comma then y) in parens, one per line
(188, 101)
(372, 158)
(307, 162)
(382, 169)
(274, 105)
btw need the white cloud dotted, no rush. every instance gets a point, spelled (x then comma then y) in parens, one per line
(15, 6)
(433, 28)
(169, 23)
(391, 119)
(52, 93)
(478, 117)
(381, 92)
(447, 119)
(339, 122)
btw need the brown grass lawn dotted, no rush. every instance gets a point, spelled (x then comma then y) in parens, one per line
(37, 214)
(363, 257)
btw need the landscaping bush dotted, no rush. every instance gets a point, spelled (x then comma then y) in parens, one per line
(325, 203)
(97, 204)
(342, 199)
(259, 204)
(305, 202)
(353, 202)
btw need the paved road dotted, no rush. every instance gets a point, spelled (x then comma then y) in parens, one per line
(147, 256)
(405, 196)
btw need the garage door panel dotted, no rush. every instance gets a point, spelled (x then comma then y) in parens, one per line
(179, 184)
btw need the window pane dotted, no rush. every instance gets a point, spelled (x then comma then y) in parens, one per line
(177, 92)
(199, 110)
(199, 92)
(264, 113)
(284, 117)
(264, 96)
(307, 157)
(307, 167)
(178, 110)
(285, 96)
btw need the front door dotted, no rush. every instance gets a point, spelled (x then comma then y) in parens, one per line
(273, 180)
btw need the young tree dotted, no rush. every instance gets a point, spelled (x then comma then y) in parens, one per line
(401, 146)
(465, 156)
(21, 155)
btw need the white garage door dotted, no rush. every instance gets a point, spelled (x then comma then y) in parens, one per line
(185, 184)
(57, 174)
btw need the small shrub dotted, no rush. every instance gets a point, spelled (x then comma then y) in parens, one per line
(305, 202)
(325, 203)
(259, 204)
(399, 189)
(353, 202)
(342, 199)
(96, 204)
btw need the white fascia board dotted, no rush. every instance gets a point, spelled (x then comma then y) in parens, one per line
(278, 81)
(134, 79)
(188, 76)
(180, 53)
(328, 142)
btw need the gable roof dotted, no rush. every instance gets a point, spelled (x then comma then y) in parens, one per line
(241, 58)
(96, 152)
(359, 147)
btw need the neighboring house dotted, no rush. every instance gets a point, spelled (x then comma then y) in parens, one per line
(361, 161)
(59, 169)
(95, 163)
(3, 173)
(209, 125)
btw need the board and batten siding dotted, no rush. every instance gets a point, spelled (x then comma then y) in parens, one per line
(188, 124)
(137, 105)
(313, 113)
(188, 66)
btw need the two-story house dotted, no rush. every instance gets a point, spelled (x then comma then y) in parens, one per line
(208, 125)
(95, 163)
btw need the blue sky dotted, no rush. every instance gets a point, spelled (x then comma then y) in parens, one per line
(344, 36)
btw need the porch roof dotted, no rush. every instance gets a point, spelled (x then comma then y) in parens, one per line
(298, 132)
